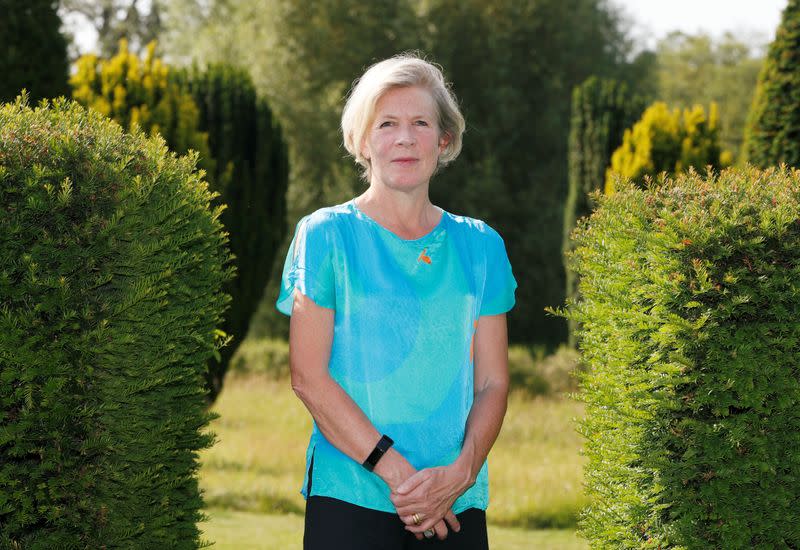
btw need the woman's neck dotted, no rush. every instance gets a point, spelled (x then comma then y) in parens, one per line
(406, 214)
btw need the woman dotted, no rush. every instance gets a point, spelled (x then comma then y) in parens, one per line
(398, 338)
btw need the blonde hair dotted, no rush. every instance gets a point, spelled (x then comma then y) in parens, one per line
(401, 71)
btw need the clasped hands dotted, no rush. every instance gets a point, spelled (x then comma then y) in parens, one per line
(430, 493)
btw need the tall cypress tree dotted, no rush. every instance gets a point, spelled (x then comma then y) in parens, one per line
(34, 50)
(601, 111)
(251, 175)
(772, 135)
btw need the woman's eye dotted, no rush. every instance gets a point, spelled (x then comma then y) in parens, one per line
(385, 124)
(422, 122)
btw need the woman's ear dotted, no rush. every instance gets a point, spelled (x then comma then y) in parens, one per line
(364, 149)
(444, 141)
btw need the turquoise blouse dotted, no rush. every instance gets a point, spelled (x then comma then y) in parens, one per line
(405, 316)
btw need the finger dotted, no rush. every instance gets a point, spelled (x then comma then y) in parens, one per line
(411, 483)
(452, 521)
(407, 502)
(441, 530)
(410, 509)
(408, 519)
(439, 527)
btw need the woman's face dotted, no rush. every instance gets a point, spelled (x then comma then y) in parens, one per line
(403, 142)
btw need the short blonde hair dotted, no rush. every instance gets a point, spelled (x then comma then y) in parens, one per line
(401, 71)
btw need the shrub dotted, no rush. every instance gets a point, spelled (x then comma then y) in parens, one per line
(668, 141)
(263, 355)
(251, 175)
(689, 329)
(538, 375)
(137, 91)
(601, 111)
(771, 133)
(111, 264)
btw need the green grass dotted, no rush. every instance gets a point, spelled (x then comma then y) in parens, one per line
(234, 530)
(251, 477)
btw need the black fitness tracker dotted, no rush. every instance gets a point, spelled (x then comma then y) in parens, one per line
(376, 454)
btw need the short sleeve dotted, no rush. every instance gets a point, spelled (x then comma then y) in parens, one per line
(309, 265)
(498, 292)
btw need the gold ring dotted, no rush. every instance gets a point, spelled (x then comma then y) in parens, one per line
(416, 519)
(428, 533)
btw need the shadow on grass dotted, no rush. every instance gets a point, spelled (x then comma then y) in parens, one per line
(565, 519)
(263, 503)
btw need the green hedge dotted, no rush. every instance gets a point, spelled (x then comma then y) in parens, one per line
(689, 314)
(602, 109)
(111, 264)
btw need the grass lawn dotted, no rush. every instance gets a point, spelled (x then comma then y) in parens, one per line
(233, 530)
(252, 475)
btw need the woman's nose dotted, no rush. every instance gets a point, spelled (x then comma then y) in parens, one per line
(405, 136)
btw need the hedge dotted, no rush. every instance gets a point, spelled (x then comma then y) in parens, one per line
(111, 264)
(690, 299)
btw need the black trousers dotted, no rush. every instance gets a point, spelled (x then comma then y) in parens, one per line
(333, 524)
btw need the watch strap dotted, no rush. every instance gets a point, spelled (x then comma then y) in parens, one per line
(380, 449)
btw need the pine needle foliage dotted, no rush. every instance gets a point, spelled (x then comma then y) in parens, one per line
(689, 306)
(772, 135)
(601, 111)
(111, 265)
(670, 141)
(251, 175)
(134, 91)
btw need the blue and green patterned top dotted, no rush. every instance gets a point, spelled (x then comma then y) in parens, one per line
(405, 316)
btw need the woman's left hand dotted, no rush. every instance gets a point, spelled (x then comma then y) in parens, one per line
(430, 494)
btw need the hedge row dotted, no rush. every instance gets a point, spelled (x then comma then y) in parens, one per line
(689, 314)
(111, 265)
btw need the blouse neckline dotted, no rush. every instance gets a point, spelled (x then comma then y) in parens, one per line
(439, 226)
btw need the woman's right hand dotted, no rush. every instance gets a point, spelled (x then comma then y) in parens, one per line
(394, 469)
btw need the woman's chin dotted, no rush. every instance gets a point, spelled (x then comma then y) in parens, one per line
(405, 182)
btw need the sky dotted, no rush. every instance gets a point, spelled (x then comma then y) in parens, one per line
(754, 21)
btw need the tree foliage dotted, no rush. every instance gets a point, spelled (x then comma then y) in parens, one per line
(218, 113)
(251, 174)
(697, 69)
(136, 21)
(668, 141)
(602, 109)
(34, 51)
(689, 332)
(773, 131)
(513, 66)
(134, 91)
(112, 262)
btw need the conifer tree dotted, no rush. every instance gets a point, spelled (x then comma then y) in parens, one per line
(772, 135)
(131, 91)
(601, 111)
(113, 260)
(670, 141)
(251, 174)
(34, 50)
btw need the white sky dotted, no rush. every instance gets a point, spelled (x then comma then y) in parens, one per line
(754, 21)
